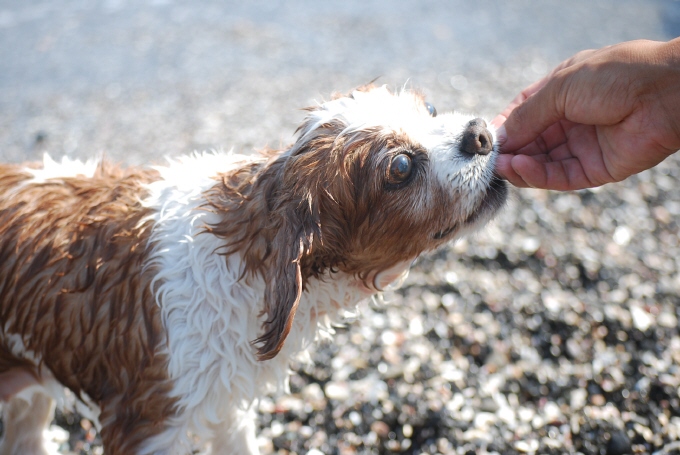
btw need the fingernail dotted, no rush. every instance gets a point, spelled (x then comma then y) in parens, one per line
(501, 135)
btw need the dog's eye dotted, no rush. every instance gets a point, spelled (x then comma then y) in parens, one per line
(431, 109)
(400, 168)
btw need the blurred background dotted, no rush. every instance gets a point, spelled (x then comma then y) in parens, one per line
(554, 331)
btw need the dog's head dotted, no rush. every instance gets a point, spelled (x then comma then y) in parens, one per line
(373, 180)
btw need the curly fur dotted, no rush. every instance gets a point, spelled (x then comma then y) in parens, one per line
(169, 299)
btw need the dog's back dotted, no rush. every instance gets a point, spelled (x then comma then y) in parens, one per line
(73, 292)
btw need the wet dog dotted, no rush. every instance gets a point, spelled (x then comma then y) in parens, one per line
(169, 299)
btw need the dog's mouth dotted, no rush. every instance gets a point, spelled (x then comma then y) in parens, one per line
(493, 200)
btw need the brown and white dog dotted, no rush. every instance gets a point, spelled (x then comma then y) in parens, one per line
(169, 299)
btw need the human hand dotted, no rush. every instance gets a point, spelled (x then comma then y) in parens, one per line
(599, 117)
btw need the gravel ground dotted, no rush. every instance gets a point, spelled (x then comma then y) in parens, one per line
(553, 331)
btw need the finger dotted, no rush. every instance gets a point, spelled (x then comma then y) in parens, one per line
(500, 118)
(565, 175)
(498, 121)
(504, 170)
(535, 115)
(529, 114)
(530, 171)
(574, 59)
(551, 141)
(519, 99)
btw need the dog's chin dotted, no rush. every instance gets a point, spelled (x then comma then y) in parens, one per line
(493, 200)
(491, 203)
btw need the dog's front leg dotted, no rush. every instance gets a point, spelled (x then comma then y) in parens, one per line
(25, 420)
(236, 435)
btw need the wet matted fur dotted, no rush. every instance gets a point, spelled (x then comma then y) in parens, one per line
(169, 299)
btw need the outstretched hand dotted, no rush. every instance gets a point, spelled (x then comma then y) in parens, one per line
(599, 117)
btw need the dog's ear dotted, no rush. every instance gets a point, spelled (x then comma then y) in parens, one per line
(296, 227)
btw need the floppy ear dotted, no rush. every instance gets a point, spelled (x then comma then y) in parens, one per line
(293, 240)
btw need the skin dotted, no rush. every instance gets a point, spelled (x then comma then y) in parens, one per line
(598, 117)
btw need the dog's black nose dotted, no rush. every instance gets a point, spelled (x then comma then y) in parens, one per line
(476, 139)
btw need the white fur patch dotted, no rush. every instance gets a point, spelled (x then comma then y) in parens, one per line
(405, 112)
(68, 167)
(210, 314)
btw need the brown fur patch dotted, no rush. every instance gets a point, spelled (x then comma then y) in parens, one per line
(72, 287)
(326, 205)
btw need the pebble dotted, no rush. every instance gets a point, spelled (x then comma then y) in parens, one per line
(337, 391)
(578, 398)
(618, 444)
(380, 428)
(667, 320)
(552, 412)
(508, 416)
(312, 392)
(529, 446)
(641, 319)
(526, 414)
(598, 400)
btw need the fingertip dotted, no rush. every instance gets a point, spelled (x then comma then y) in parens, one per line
(505, 170)
(501, 135)
(503, 166)
(530, 171)
(534, 113)
(498, 121)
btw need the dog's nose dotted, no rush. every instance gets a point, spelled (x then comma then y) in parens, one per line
(476, 139)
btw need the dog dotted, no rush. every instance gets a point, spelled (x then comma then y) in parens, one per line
(168, 299)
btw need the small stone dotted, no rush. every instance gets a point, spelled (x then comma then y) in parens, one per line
(380, 428)
(622, 235)
(57, 434)
(337, 390)
(552, 412)
(355, 418)
(389, 338)
(598, 400)
(276, 428)
(290, 403)
(529, 446)
(668, 320)
(578, 398)
(392, 445)
(530, 245)
(641, 319)
(537, 422)
(456, 402)
(488, 405)
(484, 420)
(618, 444)
(312, 392)
(525, 414)
(415, 327)
(507, 415)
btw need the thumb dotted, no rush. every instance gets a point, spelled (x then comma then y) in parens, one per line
(532, 117)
